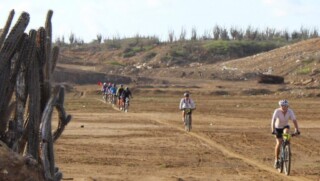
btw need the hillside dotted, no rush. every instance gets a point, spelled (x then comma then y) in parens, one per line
(297, 62)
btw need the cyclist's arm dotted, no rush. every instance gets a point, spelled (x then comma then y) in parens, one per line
(180, 106)
(117, 92)
(193, 105)
(295, 122)
(273, 121)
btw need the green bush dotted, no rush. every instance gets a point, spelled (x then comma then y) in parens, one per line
(149, 56)
(116, 63)
(131, 51)
(304, 71)
(178, 52)
(239, 48)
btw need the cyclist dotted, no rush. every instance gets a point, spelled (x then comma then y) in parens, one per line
(104, 91)
(186, 102)
(119, 95)
(104, 87)
(113, 92)
(280, 125)
(126, 93)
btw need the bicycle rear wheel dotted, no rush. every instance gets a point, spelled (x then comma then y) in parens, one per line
(287, 159)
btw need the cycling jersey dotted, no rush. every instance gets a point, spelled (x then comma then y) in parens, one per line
(119, 91)
(113, 90)
(184, 103)
(126, 93)
(279, 120)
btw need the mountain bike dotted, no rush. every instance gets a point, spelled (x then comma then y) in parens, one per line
(110, 98)
(113, 99)
(126, 104)
(285, 153)
(187, 119)
(105, 96)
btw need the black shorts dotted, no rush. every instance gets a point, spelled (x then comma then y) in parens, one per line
(279, 131)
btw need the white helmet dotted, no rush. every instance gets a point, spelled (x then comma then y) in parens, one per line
(186, 94)
(283, 103)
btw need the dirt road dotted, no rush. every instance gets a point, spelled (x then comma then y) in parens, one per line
(230, 140)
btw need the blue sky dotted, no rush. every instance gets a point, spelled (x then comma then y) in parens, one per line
(126, 18)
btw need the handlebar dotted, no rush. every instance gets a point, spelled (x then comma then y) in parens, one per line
(296, 133)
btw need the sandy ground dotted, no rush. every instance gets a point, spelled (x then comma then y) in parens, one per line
(230, 139)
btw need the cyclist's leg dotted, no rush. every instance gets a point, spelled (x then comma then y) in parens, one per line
(190, 120)
(123, 101)
(286, 129)
(278, 145)
(119, 102)
(277, 148)
(183, 116)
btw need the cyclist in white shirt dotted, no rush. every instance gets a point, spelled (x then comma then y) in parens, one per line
(280, 125)
(186, 102)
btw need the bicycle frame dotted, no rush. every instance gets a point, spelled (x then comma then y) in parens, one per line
(285, 154)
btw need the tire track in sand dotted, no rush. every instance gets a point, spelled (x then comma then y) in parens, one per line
(224, 150)
(157, 118)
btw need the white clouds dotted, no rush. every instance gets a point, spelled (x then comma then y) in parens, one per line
(285, 8)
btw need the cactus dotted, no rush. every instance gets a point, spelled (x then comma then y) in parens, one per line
(21, 93)
(48, 27)
(55, 56)
(42, 56)
(6, 27)
(7, 52)
(26, 65)
(34, 99)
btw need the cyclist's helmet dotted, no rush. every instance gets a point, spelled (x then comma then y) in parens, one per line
(127, 88)
(186, 94)
(121, 85)
(104, 84)
(283, 103)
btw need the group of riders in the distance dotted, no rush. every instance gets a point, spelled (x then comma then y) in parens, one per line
(117, 96)
(279, 122)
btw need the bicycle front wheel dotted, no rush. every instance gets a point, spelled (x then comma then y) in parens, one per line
(281, 160)
(287, 159)
(188, 122)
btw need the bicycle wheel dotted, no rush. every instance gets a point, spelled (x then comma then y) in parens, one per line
(280, 168)
(126, 106)
(287, 159)
(187, 122)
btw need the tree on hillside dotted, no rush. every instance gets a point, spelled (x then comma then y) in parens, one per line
(99, 38)
(304, 33)
(193, 34)
(314, 33)
(250, 33)
(286, 35)
(295, 35)
(206, 35)
(236, 34)
(216, 32)
(171, 36)
(224, 35)
(183, 34)
(71, 38)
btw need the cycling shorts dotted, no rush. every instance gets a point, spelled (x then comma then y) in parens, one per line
(279, 131)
